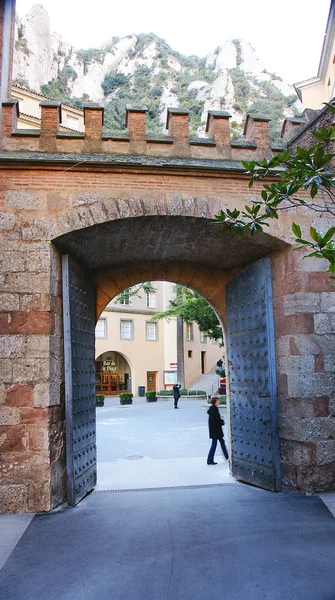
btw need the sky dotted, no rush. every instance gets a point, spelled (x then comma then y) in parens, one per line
(286, 34)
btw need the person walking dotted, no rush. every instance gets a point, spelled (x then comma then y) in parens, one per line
(215, 423)
(176, 394)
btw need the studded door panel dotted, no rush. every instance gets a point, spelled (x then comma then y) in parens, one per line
(79, 342)
(252, 377)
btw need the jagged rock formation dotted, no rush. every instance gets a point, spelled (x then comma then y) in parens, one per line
(143, 69)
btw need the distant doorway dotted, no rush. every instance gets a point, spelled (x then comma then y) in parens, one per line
(112, 374)
(151, 381)
(203, 361)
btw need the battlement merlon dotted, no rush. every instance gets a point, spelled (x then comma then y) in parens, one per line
(52, 137)
(291, 126)
(257, 129)
(218, 127)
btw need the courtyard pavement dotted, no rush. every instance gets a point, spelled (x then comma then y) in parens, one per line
(148, 445)
(206, 536)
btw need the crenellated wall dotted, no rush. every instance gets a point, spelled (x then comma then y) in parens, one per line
(135, 141)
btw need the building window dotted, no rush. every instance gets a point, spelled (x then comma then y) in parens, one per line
(125, 300)
(101, 329)
(151, 299)
(72, 122)
(203, 337)
(215, 342)
(151, 331)
(189, 353)
(126, 329)
(189, 332)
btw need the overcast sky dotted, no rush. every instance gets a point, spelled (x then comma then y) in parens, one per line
(286, 34)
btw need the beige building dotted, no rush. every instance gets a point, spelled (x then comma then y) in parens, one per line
(133, 351)
(30, 111)
(317, 90)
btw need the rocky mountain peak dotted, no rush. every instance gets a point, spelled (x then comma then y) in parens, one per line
(144, 69)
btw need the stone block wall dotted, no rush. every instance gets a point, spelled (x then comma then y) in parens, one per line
(304, 308)
(41, 202)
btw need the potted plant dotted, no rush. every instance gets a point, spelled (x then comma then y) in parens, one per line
(126, 398)
(99, 399)
(151, 396)
(221, 372)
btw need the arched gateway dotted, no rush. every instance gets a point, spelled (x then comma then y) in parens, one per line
(86, 216)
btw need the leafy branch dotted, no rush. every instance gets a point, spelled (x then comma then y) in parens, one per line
(134, 291)
(322, 245)
(192, 307)
(305, 178)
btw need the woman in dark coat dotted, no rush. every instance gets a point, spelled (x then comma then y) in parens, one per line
(215, 423)
(176, 394)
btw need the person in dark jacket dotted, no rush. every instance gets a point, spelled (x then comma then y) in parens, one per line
(176, 394)
(215, 423)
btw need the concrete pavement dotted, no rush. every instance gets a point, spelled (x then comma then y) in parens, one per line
(221, 542)
(213, 539)
(149, 445)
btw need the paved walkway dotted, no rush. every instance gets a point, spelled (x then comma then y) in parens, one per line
(230, 542)
(148, 445)
(213, 539)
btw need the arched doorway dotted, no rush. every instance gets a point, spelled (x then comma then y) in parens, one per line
(213, 272)
(112, 374)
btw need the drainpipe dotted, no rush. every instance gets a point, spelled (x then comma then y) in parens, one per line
(180, 352)
(7, 20)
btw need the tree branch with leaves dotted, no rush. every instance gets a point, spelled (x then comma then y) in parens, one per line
(134, 291)
(192, 307)
(304, 178)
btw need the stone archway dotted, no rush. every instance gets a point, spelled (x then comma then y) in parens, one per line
(116, 255)
(76, 207)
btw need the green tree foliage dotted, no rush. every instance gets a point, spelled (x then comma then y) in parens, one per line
(58, 88)
(145, 89)
(134, 291)
(307, 170)
(112, 81)
(192, 307)
(242, 87)
(237, 44)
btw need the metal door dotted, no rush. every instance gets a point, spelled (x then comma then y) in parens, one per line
(252, 377)
(79, 341)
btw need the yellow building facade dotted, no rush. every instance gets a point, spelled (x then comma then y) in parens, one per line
(30, 111)
(133, 352)
(321, 88)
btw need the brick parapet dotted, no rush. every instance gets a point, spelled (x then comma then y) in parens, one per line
(299, 132)
(136, 140)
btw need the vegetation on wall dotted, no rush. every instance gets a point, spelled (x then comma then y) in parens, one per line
(303, 178)
(192, 307)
